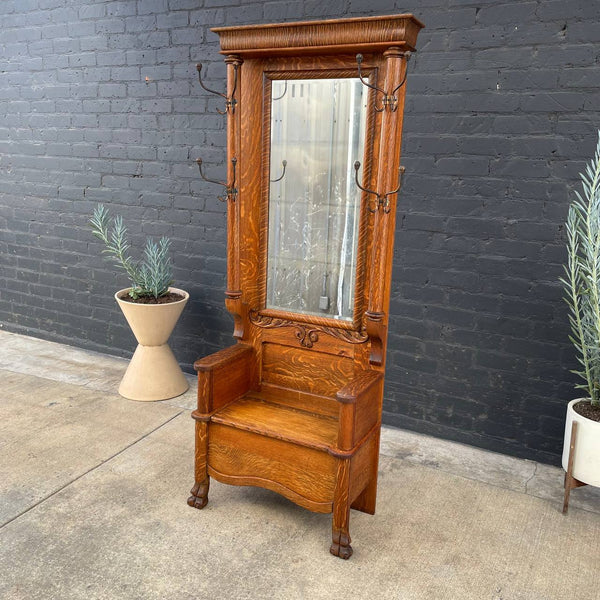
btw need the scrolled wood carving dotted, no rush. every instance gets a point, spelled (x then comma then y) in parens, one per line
(307, 335)
(348, 335)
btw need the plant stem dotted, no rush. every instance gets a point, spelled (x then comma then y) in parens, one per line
(593, 235)
(573, 290)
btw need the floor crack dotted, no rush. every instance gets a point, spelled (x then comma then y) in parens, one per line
(103, 462)
(535, 470)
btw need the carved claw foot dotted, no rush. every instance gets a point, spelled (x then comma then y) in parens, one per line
(199, 497)
(341, 545)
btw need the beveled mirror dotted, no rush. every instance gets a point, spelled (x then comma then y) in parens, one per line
(317, 132)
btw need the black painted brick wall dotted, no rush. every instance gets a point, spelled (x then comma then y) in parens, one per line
(99, 103)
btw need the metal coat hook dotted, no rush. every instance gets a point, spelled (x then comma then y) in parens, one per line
(284, 165)
(230, 190)
(230, 101)
(388, 99)
(383, 200)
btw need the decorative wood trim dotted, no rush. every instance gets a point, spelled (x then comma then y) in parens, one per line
(308, 318)
(371, 154)
(323, 37)
(265, 187)
(384, 224)
(333, 73)
(307, 335)
(233, 295)
(234, 82)
(364, 226)
(275, 486)
(337, 453)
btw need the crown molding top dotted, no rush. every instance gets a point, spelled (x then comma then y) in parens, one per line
(362, 34)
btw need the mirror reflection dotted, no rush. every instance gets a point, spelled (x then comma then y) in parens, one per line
(317, 132)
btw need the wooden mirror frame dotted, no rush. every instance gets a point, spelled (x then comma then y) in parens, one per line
(356, 324)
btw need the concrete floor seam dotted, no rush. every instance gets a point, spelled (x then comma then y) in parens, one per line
(103, 462)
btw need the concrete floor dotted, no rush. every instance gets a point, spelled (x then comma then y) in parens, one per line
(93, 492)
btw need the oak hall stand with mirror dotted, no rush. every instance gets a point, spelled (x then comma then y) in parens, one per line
(314, 120)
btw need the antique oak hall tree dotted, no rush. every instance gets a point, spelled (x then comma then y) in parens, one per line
(314, 120)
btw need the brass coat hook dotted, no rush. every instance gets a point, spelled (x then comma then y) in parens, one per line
(383, 200)
(388, 100)
(230, 190)
(284, 165)
(230, 101)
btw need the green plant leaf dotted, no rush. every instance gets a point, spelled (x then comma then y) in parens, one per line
(150, 278)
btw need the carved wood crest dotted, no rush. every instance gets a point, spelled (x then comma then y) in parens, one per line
(308, 334)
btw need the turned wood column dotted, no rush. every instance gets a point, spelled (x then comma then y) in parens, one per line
(384, 223)
(233, 264)
(233, 293)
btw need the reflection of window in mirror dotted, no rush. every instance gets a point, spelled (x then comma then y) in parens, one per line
(318, 129)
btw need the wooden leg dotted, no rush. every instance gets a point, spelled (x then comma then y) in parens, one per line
(199, 497)
(340, 545)
(570, 481)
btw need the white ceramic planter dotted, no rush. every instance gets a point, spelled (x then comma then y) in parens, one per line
(586, 464)
(153, 373)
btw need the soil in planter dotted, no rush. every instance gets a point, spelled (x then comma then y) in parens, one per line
(166, 299)
(585, 409)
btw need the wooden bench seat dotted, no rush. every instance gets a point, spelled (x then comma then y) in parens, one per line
(255, 413)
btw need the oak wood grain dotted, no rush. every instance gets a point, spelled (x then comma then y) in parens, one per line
(295, 406)
(304, 370)
(281, 422)
(324, 37)
(307, 472)
(225, 357)
(199, 493)
(326, 344)
(320, 405)
(340, 525)
(224, 376)
(363, 475)
(363, 381)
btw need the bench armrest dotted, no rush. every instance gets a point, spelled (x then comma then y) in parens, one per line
(222, 357)
(223, 377)
(360, 407)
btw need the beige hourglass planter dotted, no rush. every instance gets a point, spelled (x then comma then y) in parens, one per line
(153, 373)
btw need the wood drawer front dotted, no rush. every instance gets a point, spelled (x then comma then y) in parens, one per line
(303, 475)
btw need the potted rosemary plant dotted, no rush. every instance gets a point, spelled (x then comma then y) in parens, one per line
(581, 460)
(151, 308)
